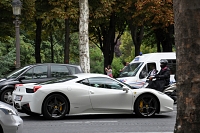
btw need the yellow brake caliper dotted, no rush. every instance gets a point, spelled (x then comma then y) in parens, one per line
(60, 107)
(141, 106)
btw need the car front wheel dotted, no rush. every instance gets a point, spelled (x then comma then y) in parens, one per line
(146, 105)
(55, 106)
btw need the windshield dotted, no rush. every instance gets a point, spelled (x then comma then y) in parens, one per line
(131, 69)
(16, 72)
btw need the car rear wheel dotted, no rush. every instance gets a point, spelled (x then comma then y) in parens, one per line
(146, 105)
(55, 106)
(6, 96)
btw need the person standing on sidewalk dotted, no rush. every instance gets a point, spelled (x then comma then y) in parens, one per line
(109, 71)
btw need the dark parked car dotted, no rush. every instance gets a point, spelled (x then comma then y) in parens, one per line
(34, 74)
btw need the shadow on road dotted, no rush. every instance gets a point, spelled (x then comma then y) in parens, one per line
(92, 117)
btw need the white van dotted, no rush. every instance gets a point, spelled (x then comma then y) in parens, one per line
(136, 72)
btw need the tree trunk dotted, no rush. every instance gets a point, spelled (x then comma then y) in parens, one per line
(187, 27)
(38, 40)
(67, 43)
(159, 37)
(83, 36)
(165, 37)
(109, 41)
(137, 34)
(52, 51)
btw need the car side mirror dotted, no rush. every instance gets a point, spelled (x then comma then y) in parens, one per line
(125, 89)
(21, 78)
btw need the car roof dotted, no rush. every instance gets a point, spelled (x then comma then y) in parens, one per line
(53, 63)
(74, 65)
(74, 78)
(84, 75)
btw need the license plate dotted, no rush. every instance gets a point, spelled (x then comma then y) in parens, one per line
(18, 98)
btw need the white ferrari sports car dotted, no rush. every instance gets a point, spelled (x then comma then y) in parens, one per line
(88, 93)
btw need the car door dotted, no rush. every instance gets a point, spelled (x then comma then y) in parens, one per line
(107, 95)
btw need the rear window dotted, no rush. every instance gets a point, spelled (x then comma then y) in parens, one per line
(74, 70)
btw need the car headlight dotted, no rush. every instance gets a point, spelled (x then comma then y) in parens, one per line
(8, 111)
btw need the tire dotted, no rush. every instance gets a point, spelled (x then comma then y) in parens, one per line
(55, 107)
(1, 129)
(146, 105)
(6, 96)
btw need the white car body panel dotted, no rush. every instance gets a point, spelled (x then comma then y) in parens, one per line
(89, 100)
(112, 100)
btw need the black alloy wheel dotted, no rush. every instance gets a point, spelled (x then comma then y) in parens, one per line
(146, 105)
(55, 106)
(6, 96)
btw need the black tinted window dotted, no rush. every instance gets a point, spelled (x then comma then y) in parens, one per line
(37, 72)
(73, 69)
(104, 83)
(85, 82)
(59, 71)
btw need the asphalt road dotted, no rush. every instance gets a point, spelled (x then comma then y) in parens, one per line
(161, 123)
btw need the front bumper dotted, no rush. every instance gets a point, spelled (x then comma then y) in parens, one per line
(12, 124)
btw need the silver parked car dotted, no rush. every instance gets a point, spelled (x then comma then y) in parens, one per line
(10, 121)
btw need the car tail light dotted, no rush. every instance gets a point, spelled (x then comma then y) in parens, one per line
(35, 88)
(18, 85)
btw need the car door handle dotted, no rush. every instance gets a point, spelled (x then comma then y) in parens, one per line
(91, 92)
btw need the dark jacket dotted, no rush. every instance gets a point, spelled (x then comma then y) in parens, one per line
(162, 80)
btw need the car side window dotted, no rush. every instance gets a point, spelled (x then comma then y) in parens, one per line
(37, 72)
(73, 69)
(85, 82)
(143, 73)
(101, 82)
(59, 71)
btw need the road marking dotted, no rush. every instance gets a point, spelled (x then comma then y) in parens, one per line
(136, 132)
(99, 121)
(92, 122)
(73, 122)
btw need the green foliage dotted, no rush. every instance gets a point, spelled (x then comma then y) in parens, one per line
(96, 60)
(117, 64)
(74, 48)
(127, 48)
(26, 51)
(6, 20)
(7, 63)
(53, 14)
